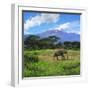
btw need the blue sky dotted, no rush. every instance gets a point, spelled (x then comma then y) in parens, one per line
(38, 22)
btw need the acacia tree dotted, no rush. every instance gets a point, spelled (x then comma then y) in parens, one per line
(67, 44)
(72, 45)
(35, 42)
(76, 45)
(31, 42)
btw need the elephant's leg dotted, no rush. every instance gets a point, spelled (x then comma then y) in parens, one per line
(63, 57)
(67, 56)
(57, 57)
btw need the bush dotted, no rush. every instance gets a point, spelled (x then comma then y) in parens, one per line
(34, 58)
(31, 58)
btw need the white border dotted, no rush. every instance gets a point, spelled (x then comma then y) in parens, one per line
(16, 72)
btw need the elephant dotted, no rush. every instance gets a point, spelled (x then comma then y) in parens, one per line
(60, 52)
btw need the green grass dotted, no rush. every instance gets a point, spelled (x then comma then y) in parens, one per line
(48, 66)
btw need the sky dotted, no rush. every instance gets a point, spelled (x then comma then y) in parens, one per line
(38, 22)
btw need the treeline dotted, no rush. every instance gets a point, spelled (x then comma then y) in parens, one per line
(33, 42)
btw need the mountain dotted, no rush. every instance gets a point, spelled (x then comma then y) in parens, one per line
(63, 36)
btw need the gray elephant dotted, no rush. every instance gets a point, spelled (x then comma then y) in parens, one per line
(62, 53)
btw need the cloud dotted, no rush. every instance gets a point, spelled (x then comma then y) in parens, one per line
(69, 27)
(63, 26)
(26, 32)
(40, 19)
(76, 32)
(74, 27)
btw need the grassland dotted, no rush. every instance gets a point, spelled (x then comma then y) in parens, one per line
(48, 66)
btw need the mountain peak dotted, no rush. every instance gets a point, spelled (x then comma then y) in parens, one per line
(64, 36)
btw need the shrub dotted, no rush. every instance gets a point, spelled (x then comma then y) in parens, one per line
(31, 58)
(34, 58)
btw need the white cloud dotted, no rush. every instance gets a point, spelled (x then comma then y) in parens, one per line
(74, 27)
(69, 27)
(63, 26)
(77, 31)
(39, 19)
(26, 33)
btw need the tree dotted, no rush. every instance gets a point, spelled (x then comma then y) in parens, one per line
(72, 45)
(59, 45)
(49, 42)
(35, 42)
(76, 45)
(53, 39)
(31, 42)
(67, 44)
